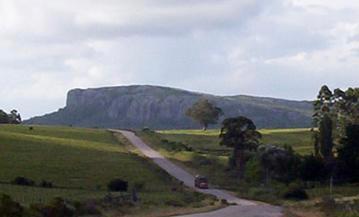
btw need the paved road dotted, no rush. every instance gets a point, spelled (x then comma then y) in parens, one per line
(243, 208)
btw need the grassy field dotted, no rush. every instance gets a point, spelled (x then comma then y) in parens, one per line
(299, 139)
(80, 163)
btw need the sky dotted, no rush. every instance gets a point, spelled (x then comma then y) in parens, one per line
(276, 48)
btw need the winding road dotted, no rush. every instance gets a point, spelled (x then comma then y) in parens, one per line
(242, 207)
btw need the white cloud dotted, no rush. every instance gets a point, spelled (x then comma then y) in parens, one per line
(282, 48)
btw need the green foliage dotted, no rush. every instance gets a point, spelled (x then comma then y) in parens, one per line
(348, 154)
(295, 191)
(204, 112)
(10, 208)
(332, 208)
(326, 137)
(313, 169)
(254, 171)
(117, 185)
(281, 164)
(4, 118)
(175, 146)
(241, 134)
(13, 118)
(23, 181)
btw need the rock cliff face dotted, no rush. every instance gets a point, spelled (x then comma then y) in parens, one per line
(164, 108)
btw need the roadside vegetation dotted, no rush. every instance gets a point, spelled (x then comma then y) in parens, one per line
(87, 171)
(298, 168)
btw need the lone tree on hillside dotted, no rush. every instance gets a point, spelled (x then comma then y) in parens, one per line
(204, 112)
(15, 117)
(240, 134)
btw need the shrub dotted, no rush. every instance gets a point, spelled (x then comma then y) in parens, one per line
(10, 208)
(282, 163)
(147, 130)
(175, 146)
(57, 208)
(224, 202)
(23, 181)
(254, 171)
(295, 192)
(117, 185)
(46, 184)
(86, 208)
(313, 169)
(202, 160)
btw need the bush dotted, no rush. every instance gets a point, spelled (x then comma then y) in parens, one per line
(313, 169)
(86, 208)
(175, 146)
(57, 208)
(254, 171)
(23, 181)
(117, 185)
(10, 208)
(147, 130)
(282, 163)
(295, 192)
(202, 160)
(46, 184)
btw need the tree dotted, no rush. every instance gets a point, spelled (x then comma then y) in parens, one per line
(204, 112)
(313, 169)
(14, 117)
(323, 105)
(348, 154)
(240, 134)
(279, 163)
(4, 118)
(326, 138)
(347, 108)
(324, 114)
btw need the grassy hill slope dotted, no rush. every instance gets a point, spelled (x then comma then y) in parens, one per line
(80, 163)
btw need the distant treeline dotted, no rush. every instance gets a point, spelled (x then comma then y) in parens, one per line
(13, 118)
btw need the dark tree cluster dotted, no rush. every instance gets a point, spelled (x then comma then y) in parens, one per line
(13, 118)
(336, 145)
(336, 142)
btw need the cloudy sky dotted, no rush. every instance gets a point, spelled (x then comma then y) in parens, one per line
(278, 48)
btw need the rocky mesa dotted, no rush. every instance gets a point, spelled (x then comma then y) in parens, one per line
(158, 107)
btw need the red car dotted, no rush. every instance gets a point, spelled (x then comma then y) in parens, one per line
(201, 182)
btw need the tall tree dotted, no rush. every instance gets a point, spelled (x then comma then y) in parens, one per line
(14, 117)
(324, 114)
(326, 138)
(204, 112)
(240, 134)
(347, 108)
(323, 105)
(348, 153)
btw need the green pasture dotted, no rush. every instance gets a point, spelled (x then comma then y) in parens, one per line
(79, 162)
